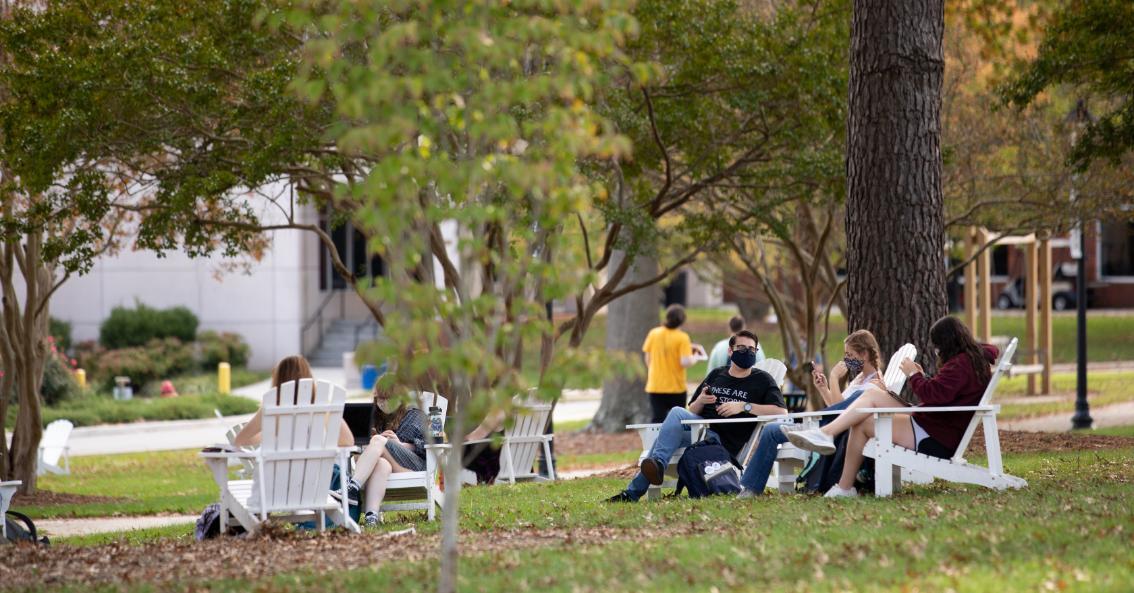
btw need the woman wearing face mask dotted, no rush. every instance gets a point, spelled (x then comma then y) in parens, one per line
(397, 444)
(862, 359)
(963, 374)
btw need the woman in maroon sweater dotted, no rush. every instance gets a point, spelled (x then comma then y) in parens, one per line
(963, 373)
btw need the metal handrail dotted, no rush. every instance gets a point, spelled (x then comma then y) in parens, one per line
(370, 324)
(317, 318)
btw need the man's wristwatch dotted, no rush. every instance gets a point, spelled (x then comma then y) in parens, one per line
(748, 408)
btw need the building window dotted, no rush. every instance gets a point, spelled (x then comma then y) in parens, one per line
(1117, 248)
(353, 254)
(999, 261)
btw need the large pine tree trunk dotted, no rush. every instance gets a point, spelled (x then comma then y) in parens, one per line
(895, 221)
(629, 318)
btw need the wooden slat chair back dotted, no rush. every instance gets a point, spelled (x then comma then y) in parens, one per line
(523, 441)
(889, 456)
(408, 491)
(293, 466)
(53, 446)
(299, 442)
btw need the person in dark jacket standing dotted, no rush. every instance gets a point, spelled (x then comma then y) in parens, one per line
(964, 370)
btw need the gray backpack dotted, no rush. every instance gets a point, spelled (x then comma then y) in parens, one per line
(20, 528)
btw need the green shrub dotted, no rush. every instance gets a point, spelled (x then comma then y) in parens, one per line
(159, 359)
(59, 382)
(227, 347)
(126, 328)
(87, 355)
(61, 331)
(135, 363)
(171, 355)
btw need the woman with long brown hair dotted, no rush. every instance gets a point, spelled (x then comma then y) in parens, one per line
(397, 444)
(292, 368)
(963, 373)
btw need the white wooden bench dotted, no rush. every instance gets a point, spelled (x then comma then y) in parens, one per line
(292, 468)
(889, 456)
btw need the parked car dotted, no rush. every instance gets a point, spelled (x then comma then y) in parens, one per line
(1062, 293)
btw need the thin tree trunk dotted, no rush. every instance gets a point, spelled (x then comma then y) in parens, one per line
(628, 320)
(895, 221)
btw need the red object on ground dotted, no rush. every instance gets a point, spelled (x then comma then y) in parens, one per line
(167, 389)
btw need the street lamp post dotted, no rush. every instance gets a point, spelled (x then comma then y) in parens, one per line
(1082, 418)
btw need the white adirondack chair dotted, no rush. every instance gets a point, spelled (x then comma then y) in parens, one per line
(409, 491)
(889, 456)
(648, 433)
(292, 468)
(247, 470)
(53, 446)
(7, 491)
(522, 442)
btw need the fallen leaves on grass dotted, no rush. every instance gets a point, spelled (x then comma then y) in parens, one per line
(256, 558)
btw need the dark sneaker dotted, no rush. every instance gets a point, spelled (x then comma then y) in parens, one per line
(623, 496)
(653, 470)
(352, 493)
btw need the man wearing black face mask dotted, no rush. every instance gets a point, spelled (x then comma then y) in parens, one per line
(735, 391)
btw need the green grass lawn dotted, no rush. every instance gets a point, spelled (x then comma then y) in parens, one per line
(1104, 388)
(1108, 338)
(175, 482)
(1070, 530)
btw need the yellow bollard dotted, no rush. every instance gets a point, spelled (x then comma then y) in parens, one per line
(81, 378)
(224, 378)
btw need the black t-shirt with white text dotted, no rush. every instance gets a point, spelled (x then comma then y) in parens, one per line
(758, 388)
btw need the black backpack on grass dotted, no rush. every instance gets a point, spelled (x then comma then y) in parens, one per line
(20, 528)
(706, 469)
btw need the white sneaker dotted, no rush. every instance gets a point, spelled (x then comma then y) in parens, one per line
(812, 440)
(836, 492)
(786, 428)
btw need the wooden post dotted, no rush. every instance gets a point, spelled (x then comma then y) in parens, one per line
(1045, 271)
(1031, 301)
(970, 278)
(985, 306)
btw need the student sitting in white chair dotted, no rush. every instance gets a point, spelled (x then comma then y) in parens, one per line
(963, 372)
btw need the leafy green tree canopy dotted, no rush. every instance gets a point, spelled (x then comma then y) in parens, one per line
(1087, 46)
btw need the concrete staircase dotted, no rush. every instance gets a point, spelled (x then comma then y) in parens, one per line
(339, 338)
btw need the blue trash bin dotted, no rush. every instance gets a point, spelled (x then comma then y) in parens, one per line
(369, 376)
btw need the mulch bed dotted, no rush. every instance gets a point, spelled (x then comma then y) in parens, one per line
(28, 567)
(43, 498)
(586, 443)
(1018, 441)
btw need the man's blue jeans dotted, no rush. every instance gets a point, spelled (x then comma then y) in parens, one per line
(755, 476)
(673, 436)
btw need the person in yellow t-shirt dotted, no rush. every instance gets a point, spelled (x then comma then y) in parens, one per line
(668, 352)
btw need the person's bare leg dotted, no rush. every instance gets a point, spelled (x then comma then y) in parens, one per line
(385, 453)
(376, 485)
(369, 458)
(903, 437)
(871, 398)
